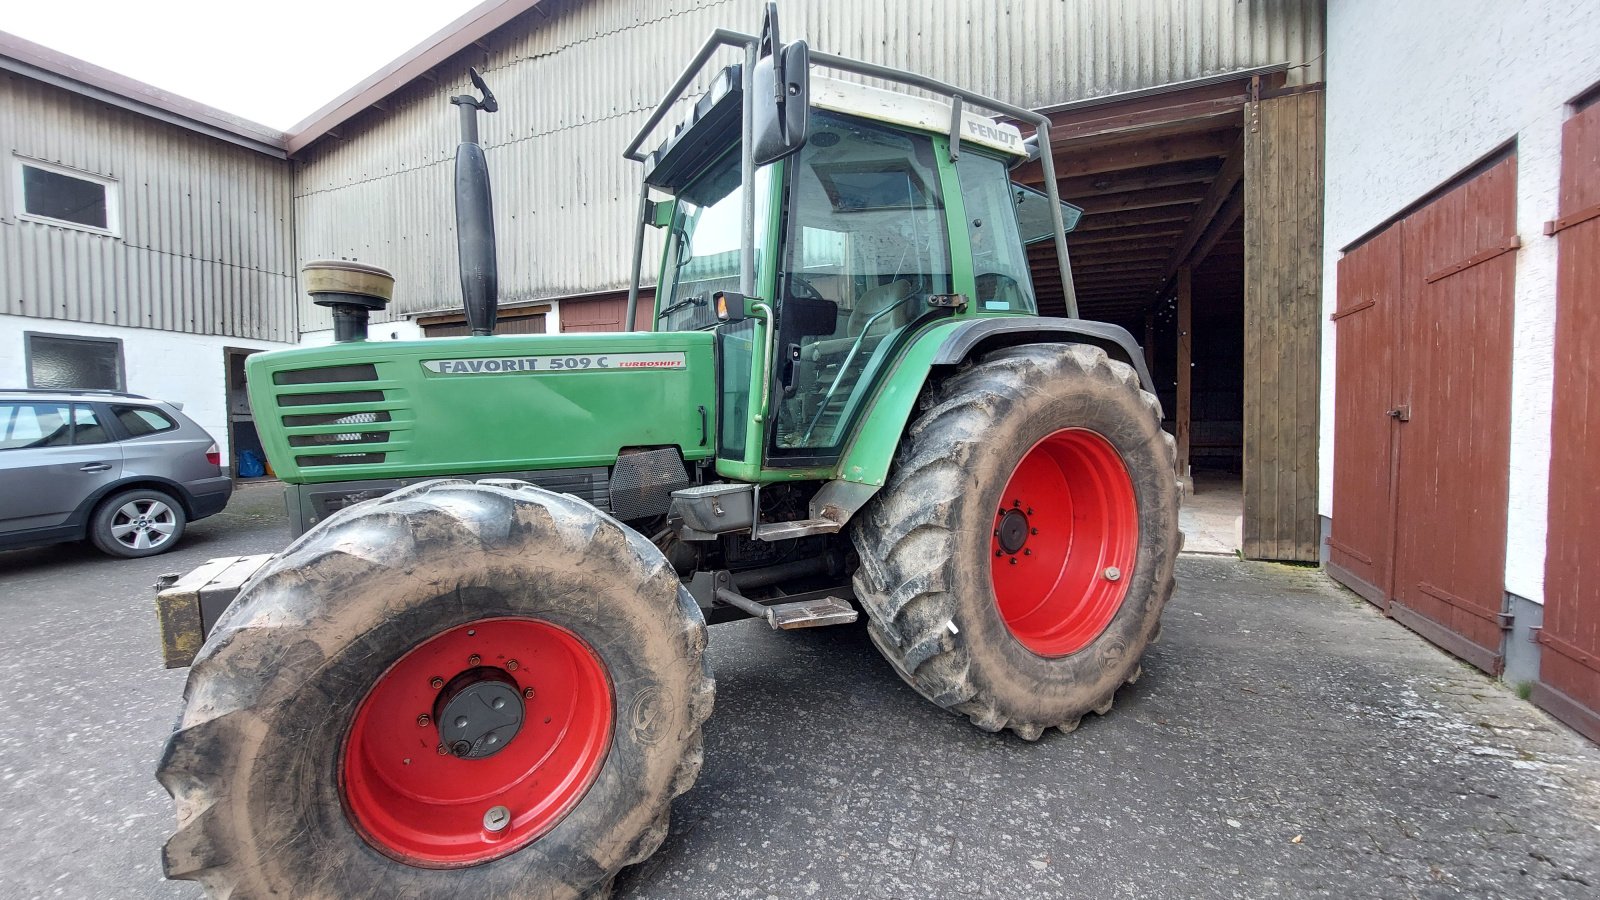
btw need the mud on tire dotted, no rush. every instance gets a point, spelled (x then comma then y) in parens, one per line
(925, 539)
(255, 761)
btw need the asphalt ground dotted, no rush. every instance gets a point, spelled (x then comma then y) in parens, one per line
(1285, 740)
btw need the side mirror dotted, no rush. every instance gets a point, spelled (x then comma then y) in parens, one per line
(780, 94)
(732, 306)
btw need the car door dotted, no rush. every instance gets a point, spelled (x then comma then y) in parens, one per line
(53, 455)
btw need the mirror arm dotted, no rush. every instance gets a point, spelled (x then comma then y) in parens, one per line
(955, 127)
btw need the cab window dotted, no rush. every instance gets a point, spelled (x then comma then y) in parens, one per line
(999, 262)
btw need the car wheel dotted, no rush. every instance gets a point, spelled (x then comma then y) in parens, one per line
(137, 523)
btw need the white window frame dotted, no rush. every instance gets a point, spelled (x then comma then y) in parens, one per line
(113, 196)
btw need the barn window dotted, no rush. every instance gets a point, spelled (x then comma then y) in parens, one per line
(60, 196)
(60, 362)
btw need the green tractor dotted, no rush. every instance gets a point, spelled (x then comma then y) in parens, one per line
(480, 670)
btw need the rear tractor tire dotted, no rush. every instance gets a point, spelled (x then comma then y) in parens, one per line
(455, 690)
(1016, 563)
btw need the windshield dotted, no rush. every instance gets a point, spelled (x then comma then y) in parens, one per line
(702, 254)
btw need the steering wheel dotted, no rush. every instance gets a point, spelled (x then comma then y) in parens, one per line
(803, 289)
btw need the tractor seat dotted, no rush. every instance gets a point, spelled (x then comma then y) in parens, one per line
(871, 303)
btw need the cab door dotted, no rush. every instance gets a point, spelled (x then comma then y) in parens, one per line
(53, 455)
(866, 256)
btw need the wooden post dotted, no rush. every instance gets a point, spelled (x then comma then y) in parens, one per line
(1185, 361)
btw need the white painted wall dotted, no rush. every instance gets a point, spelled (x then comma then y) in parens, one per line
(399, 330)
(1417, 92)
(165, 365)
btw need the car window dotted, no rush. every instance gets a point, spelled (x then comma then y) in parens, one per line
(143, 420)
(35, 425)
(87, 428)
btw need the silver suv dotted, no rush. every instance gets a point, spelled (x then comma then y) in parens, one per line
(121, 470)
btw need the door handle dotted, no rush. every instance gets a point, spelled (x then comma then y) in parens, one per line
(1401, 412)
(95, 467)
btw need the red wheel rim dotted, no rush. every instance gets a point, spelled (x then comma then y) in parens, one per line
(1065, 538)
(413, 801)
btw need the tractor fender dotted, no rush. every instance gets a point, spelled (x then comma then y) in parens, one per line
(864, 467)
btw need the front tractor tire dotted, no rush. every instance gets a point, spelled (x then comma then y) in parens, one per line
(1015, 565)
(455, 690)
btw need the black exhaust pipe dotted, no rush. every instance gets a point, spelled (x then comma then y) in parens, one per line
(480, 279)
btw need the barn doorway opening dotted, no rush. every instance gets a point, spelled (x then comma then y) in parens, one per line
(1201, 235)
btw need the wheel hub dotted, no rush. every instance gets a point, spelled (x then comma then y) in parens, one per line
(1013, 530)
(479, 712)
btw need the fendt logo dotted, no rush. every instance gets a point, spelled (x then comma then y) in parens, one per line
(511, 365)
(990, 132)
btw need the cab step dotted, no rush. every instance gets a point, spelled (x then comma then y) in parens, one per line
(811, 613)
(783, 531)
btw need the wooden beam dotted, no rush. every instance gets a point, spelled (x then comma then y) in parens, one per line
(1185, 374)
(1180, 195)
(1153, 216)
(1197, 116)
(1221, 224)
(1139, 179)
(1222, 187)
(1164, 234)
(1134, 154)
(1104, 253)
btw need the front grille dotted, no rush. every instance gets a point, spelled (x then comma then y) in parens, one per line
(313, 434)
(327, 374)
(334, 397)
(349, 418)
(341, 459)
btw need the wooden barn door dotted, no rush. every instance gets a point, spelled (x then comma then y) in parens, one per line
(1423, 410)
(1455, 417)
(1569, 662)
(1361, 546)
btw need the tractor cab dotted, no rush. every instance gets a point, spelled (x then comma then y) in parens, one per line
(895, 213)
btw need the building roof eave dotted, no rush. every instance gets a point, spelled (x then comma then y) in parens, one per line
(69, 73)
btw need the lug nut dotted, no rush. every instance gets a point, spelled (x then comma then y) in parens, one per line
(436, 682)
(422, 721)
(443, 750)
(1027, 552)
(999, 553)
(461, 748)
(1033, 531)
(474, 659)
(527, 693)
(1013, 560)
(511, 665)
(496, 819)
(1113, 573)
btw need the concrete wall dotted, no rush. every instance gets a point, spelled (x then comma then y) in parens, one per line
(1417, 92)
(165, 365)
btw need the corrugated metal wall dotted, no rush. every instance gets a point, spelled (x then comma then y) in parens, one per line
(207, 231)
(575, 78)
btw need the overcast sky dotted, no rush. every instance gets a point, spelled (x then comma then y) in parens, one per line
(275, 63)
